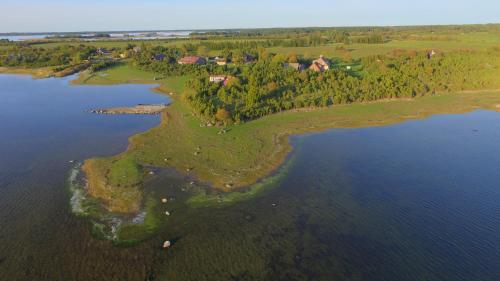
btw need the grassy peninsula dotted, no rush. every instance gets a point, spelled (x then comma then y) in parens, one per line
(238, 96)
(252, 150)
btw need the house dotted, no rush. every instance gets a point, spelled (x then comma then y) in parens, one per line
(248, 58)
(295, 65)
(220, 61)
(103, 52)
(431, 54)
(124, 55)
(192, 60)
(217, 60)
(320, 65)
(159, 57)
(224, 79)
(218, 78)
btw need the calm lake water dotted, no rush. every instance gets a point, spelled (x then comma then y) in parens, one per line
(119, 35)
(413, 201)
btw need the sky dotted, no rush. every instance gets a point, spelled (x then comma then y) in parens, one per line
(121, 15)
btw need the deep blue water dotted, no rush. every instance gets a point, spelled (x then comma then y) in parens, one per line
(412, 201)
(421, 198)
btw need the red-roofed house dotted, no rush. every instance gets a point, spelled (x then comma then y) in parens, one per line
(192, 60)
(320, 65)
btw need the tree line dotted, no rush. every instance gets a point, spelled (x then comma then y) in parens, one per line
(267, 87)
(19, 55)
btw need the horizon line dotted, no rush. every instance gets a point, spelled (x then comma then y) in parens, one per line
(249, 28)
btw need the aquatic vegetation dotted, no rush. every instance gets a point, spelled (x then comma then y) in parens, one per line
(204, 197)
(121, 229)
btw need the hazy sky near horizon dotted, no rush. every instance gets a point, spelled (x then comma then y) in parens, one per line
(108, 15)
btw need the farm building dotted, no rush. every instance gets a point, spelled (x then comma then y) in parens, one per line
(431, 54)
(221, 61)
(320, 65)
(192, 60)
(217, 78)
(103, 52)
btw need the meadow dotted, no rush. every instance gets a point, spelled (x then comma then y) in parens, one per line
(476, 41)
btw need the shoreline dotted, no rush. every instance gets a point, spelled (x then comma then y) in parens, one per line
(35, 73)
(250, 152)
(276, 145)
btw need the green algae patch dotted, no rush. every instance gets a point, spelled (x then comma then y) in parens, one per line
(124, 229)
(144, 226)
(207, 198)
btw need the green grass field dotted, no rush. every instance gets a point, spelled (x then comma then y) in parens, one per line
(125, 74)
(475, 41)
(118, 74)
(412, 41)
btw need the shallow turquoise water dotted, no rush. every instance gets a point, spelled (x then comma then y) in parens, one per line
(412, 201)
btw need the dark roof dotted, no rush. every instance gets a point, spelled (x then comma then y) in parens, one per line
(248, 58)
(159, 57)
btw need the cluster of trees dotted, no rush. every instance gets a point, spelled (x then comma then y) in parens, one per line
(28, 56)
(367, 39)
(267, 87)
(101, 65)
(145, 59)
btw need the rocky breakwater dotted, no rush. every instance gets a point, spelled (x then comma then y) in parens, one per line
(147, 109)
